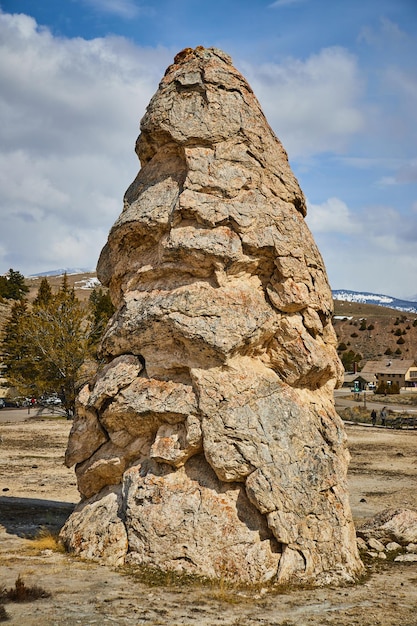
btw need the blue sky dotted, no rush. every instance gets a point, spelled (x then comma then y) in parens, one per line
(337, 81)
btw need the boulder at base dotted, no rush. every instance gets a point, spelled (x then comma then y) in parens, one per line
(209, 443)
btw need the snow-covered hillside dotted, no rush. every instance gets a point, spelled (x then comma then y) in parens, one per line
(69, 271)
(373, 298)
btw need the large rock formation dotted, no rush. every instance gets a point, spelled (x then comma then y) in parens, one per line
(209, 442)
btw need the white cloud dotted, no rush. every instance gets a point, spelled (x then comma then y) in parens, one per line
(384, 33)
(313, 105)
(123, 8)
(333, 216)
(371, 250)
(25, 183)
(60, 94)
(284, 3)
(70, 112)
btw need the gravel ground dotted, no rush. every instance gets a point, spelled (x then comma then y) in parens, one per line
(38, 492)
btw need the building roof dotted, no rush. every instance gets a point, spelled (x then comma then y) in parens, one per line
(388, 366)
(367, 377)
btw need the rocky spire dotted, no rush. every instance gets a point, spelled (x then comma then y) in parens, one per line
(209, 443)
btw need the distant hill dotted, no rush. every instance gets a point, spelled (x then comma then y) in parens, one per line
(372, 298)
(374, 331)
(83, 282)
(62, 271)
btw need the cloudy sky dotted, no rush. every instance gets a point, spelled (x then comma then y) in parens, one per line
(337, 81)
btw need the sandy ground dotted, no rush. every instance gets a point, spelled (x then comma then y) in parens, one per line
(37, 491)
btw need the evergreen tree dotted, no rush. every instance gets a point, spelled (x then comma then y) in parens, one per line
(3, 286)
(44, 295)
(45, 348)
(65, 286)
(349, 358)
(12, 285)
(16, 350)
(101, 311)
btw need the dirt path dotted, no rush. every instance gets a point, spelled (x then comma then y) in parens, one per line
(36, 490)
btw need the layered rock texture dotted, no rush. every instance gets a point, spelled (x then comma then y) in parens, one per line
(209, 443)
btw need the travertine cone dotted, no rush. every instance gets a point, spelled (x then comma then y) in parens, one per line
(210, 442)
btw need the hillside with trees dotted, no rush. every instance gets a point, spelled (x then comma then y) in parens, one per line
(370, 332)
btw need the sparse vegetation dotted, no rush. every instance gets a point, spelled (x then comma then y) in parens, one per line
(46, 540)
(383, 325)
(4, 616)
(125, 599)
(21, 593)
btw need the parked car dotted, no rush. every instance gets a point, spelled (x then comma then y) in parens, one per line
(2, 403)
(51, 399)
(20, 401)
(10, 403)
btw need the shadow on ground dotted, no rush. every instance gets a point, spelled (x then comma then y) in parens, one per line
(25, 517)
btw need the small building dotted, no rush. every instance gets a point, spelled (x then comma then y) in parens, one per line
(401, 372)
(411, 377)
(359, 381)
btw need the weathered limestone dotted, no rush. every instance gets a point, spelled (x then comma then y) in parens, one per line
(398, 525)
(391, 531)
(209, 443)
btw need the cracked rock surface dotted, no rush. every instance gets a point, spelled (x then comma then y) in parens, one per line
(209, 443)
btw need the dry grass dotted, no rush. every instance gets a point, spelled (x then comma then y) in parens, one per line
(21, 593)
(46, 540)
(220, 589)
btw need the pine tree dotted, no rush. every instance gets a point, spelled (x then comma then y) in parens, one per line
(44, 294)
(349, 358)
(46, 347)
(12, 285)
(65, 286)
(20, 366)
(101, 311)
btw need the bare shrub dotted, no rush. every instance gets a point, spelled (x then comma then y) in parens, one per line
(21, 593)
